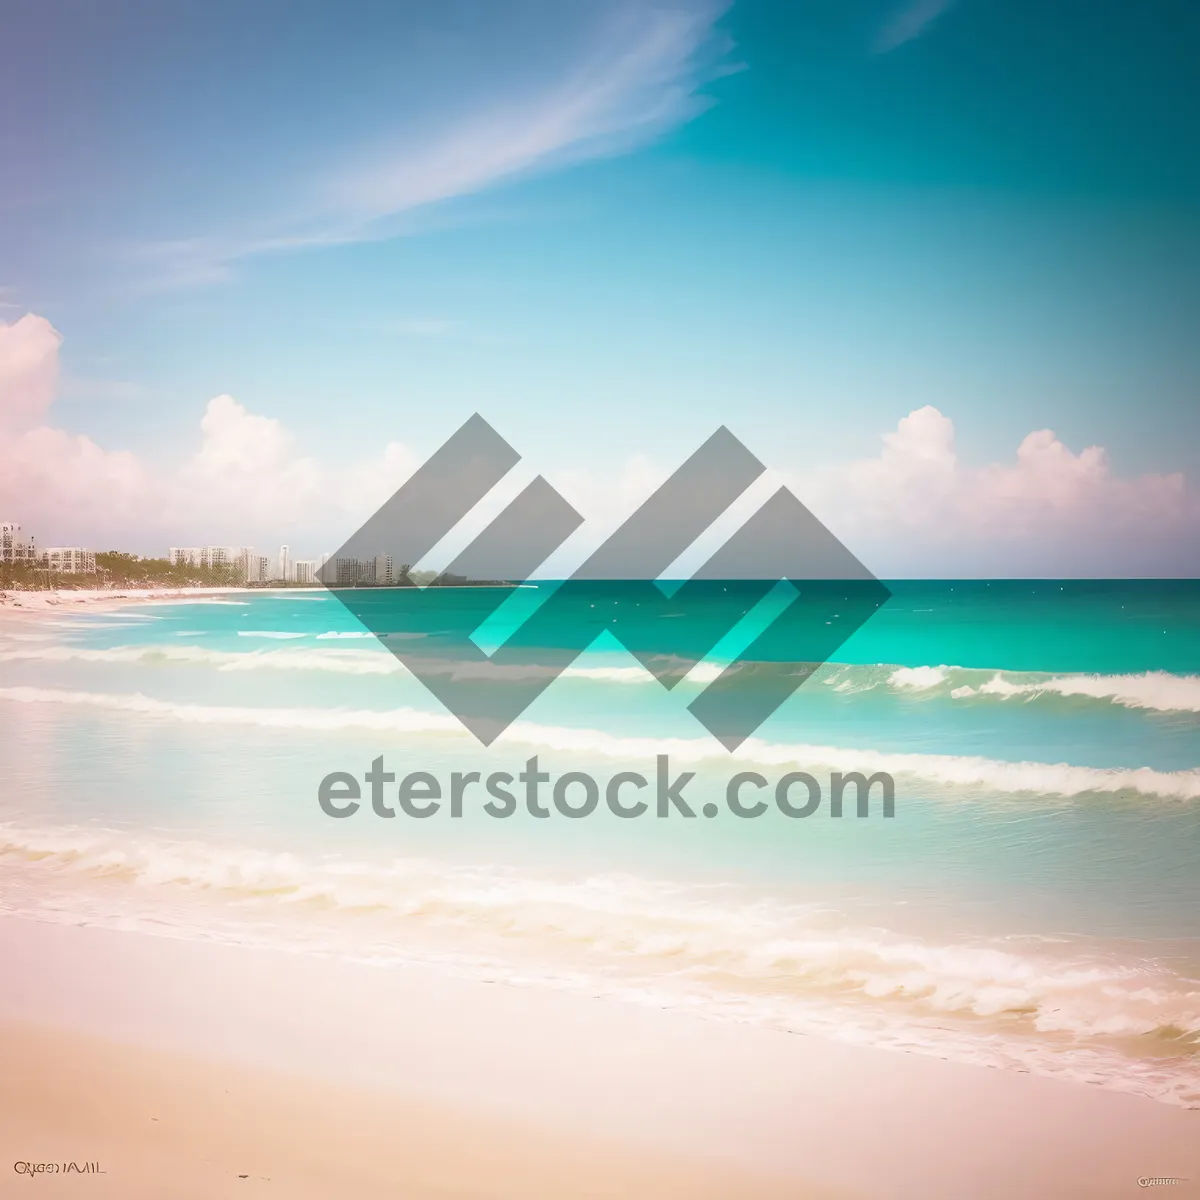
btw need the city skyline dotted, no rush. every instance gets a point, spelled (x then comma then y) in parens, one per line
(18, 546)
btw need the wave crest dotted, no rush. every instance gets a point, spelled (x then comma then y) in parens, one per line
(949, 770)
(1157, 691)
(764, 958)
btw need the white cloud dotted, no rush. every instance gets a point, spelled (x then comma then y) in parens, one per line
(915, 508)
(62, 475)
(920, 509)
(53, 481)
(245, 480)
(1048, 482)
(640, 77)
(909, 23)
(28, 371)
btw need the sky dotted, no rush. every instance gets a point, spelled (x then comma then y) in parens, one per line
(936, 262)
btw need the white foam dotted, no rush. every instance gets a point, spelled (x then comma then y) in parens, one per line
(348, 662)
(1157, 690)
(956, 771)
(919, 678)
(403, 720)
(1048, 1006)
(1160, 691)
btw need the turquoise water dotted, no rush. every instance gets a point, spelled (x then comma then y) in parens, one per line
(1034, 903)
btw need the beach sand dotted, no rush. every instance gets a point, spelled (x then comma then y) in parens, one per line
(182, 1066)
(170, 1125)
(50, 600)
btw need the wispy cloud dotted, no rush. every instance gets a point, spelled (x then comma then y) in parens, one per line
(640, 76)
(910, 22)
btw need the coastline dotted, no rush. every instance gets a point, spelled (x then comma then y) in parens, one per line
(43, 600)
(588, 1096)
(631, 1097)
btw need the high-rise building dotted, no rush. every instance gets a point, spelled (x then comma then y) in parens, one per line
(258, 568)
(285, 563)
(241, 558)
(16, 548)
(305, 571)
(351, 571)
(383, 570)
(69, 560)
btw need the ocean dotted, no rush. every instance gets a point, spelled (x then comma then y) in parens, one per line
(1033, 904)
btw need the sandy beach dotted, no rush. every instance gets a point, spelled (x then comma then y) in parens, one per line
(100, 1118)
(42, 601)
(207, 1070)
(217, 1057)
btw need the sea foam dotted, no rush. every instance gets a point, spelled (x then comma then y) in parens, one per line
(946, 770)
(1058, 1007)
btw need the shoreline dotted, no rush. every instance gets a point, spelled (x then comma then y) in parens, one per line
(666, 1093)
(43, 600)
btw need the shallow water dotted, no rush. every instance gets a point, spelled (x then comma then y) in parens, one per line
(1034, 903)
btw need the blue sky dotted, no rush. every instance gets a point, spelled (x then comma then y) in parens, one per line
(609, 228)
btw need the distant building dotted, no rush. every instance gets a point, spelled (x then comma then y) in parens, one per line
(350, 572)
(258, 568)
(69, 560)
(194, 556)
(305, 570)
(242, 558)
(380, 571)
(285, 564)
(205, 556)
(14, 547)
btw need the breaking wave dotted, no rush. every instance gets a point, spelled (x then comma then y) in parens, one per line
(1076, 1007)
(290, 658)
(948, 770)
(1158, 691)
